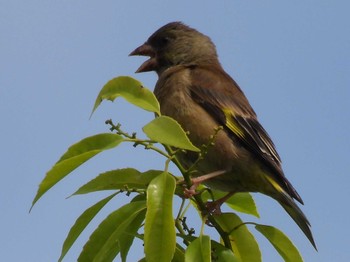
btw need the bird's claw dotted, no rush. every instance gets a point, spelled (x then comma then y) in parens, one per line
(213, 207)
(190, 192)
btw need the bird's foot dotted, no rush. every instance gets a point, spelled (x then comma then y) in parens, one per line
(214, 207)
(189, 192)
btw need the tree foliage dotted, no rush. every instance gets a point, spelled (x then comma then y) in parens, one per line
(149, 214)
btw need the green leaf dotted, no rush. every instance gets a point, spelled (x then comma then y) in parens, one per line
(199, 250)
(123, 236)
(160, 238)
(81, 223)
(243, 242)
(167, 131)
(242, 202)
(221, 253)
(119, 179)
(104, 241)
(131, 90)
(281, 243)
(179, 255)
(139, 197)
(75, 156)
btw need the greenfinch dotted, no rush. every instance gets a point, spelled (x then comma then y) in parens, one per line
(194, 89)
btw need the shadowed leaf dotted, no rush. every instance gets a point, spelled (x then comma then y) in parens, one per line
(199, 250)
(103, 242)
(81, 223)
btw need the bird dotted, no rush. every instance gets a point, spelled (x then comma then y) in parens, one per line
(194, 89)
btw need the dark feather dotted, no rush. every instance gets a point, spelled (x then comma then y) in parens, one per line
(216, 91)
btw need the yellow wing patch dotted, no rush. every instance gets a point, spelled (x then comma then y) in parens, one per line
(275, 184)
(231, 124)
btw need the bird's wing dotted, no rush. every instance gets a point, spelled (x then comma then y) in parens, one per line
(222, 98)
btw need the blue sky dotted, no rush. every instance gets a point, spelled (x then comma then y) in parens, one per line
(291, 59)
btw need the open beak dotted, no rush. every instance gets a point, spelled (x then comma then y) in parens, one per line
(151, 63)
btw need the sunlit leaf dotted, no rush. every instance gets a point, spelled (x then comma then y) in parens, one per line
(131, 90)
(110, 229)
(81, 223)
(160, 238)
(243, 242)
(75, 156)
(199, 250)
(242, 202)
(281, 243)
(167, 131)
(119, 179)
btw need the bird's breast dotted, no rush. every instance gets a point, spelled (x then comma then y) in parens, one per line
(173, 93)
(225, 153)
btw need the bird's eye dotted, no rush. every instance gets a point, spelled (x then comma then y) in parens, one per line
(165, 40)
(162, 41)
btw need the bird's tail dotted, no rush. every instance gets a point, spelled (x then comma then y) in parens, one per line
(298, 216)
(288, 203)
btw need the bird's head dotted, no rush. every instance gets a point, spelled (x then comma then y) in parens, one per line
(175, 44)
